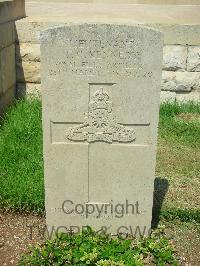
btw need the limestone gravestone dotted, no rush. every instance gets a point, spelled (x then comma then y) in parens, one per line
(101, 90)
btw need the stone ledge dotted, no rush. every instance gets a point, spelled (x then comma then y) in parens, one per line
(179, 34)
(158, 14)
(28, 29)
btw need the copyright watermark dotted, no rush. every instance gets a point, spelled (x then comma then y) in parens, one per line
(99, 210)
(123, 231)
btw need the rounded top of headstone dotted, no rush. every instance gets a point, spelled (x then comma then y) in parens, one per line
(57, 32)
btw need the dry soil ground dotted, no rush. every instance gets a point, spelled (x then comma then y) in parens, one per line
(18, 231)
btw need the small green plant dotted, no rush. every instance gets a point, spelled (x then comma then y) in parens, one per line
(90, 248)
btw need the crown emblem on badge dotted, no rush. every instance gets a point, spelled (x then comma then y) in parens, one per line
(100, 124)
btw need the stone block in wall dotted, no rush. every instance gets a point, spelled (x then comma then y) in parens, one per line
(28, 52)
(174, 57)
(180, 81)
(28, 72)
(193, 96)
(18, 10)
(5, 11)
(6, 99)
(167, 96)
(11, 10)
(193, 60)
(7, 68)
(7, 34)
(28, 90)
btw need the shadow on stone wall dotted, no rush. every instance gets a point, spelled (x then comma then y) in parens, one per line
(20, 92)
(161, 187)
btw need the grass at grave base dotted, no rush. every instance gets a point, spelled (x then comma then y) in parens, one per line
(90, 248)
(178, 167)
(21, 164)
(178, 159)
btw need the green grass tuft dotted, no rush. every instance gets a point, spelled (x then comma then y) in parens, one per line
(173, 127)
(183, 215)
(21, 164)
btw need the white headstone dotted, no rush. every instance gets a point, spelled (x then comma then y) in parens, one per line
(101, 93)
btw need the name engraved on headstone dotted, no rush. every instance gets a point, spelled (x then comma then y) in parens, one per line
(91, 58)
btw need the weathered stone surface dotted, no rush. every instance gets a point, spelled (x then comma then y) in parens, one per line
(6, 99)
(193, 60)
(28, 90)
(28, 52)
(5, 11)
(167, 96)
(7, 68)
(193, 96)
(101, 94)
(7, 34)
(18, 9)
(179, 34)
(174, 57)
(180, 81)
(28, 72)
(28, 31)
(11, 10)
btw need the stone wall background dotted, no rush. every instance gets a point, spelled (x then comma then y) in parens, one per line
(7, 56)
(180, 77)
(9, 12)
(20, 56)
(181, 73)
(149, 2)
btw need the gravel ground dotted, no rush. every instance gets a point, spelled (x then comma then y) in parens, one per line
(18, 231)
